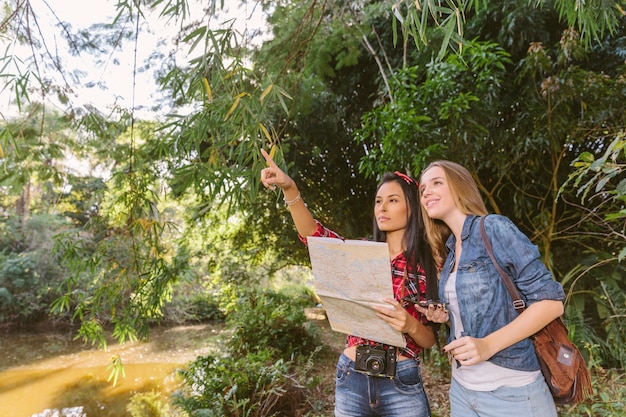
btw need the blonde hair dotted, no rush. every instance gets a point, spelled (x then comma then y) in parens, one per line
(467, 198)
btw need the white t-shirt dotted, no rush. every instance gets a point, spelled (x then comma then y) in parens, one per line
(486, 375)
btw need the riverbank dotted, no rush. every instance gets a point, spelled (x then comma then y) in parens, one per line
(65, 373)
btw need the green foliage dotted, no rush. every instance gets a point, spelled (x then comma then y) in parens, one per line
(218, 146)
(611, 307)
(446, 110)
(192, 302)
(602, 181)
(269, 320)
(18, 275)
(116, 369)
(388, 127)
(415, 19)
(436, 359)
(598, 288)
(149, 404)
(29, 154)
(593, 19)
(259, 371)
(130, 279)
(249, 386)
(28, 271)
(198, 306)
(606, 338)
(81, 199)
(609, 399)
(125, 260)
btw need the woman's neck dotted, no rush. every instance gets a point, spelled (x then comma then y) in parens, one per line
(455, 223)
(395, 240)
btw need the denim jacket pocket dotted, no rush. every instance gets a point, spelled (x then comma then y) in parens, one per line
(473, 281)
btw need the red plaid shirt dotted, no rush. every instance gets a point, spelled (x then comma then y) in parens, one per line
(415, 287)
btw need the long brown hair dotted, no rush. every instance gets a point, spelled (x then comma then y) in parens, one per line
(467, 198)
(418, 250)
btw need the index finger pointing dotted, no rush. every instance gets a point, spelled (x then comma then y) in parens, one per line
(268, 158)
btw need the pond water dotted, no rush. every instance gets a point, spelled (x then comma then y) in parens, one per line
(45, 374)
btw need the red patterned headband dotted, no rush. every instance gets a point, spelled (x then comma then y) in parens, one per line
(406, 178)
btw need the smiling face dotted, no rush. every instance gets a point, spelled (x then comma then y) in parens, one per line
(390, 208)
(436, 196)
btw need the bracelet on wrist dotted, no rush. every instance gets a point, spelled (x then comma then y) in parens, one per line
(294, 201)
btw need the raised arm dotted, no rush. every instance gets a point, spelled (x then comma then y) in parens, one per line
(272, 177)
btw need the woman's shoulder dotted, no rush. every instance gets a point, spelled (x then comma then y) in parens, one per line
(505, 230)
(499, 221)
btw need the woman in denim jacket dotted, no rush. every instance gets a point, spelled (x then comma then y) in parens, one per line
(413, 274)
(494, 368)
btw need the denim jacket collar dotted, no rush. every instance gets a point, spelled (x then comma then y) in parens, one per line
(465, 232)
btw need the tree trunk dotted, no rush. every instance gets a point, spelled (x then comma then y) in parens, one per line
(22, 206)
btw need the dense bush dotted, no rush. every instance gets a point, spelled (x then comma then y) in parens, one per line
(269, 320)
(255, 385)
(191, 304)
(261, 369)
(18, 277)
(29, 271)
(150, 404)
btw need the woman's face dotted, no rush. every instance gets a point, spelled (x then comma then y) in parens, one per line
(390, 208)
(435, 194)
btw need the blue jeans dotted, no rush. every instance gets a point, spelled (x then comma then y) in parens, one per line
(359, 395)
(532, 400)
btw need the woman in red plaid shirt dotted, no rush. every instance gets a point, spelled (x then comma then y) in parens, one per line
(367, 390)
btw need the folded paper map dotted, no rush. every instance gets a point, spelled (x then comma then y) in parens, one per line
(350, 277)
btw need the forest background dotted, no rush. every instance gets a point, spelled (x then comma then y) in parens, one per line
(166, 220)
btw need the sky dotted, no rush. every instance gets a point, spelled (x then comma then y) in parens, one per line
(116, 73)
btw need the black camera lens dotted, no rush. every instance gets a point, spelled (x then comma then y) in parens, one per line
(375, 364)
